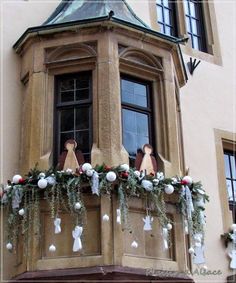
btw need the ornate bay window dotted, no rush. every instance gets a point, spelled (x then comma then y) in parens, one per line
(113, 87)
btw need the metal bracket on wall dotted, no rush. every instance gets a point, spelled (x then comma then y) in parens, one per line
(192, 65)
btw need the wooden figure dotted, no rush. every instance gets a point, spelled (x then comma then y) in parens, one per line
(71, 159)
(145, 161)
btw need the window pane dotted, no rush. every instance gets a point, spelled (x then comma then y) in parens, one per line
(129, 141)
(165, 3)
(227, 168)
(133, 93)
(234, 189)
(186, 7)
(229, 189)
(82, 139)
(160, 14)
(162, 28)
(67, 96)
(192, 9)
(168, 30)
(167, 16)
(67, 84)
(233, 169)
(82, 82)
(82, 118)
(82, 94)
(158, 2)
(195, 42)
(63, 138)
(188, 24)
(194, 27)
(67, 120)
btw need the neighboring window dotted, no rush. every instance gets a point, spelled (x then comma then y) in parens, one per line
(73, 112)
(136, 115)
(230, 173)
(195, 24)
(166, 17)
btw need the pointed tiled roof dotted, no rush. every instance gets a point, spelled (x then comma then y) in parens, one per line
(78, 10)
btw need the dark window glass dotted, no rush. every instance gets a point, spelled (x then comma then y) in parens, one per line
(136, 115)
(230, 173)
(195, 24)
(166, 17)
(73, 112)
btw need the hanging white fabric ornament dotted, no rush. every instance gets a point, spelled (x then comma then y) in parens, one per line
(147, 223)
(111, 176)
(189, 202)
(169, 189)
(165, 236)
(232, 252)
(134, 245)
(51, 180)
(42, 183)
(52, 248)
(155, 182)
(16, 179)
(200, 202)
(169, 226)
(89, 173)
(118, 216)
(57, 224)
(160, 176)
(147, 185)
(186, 227)
(199, 257)
(16, 197)
(191, 250)
(76, 233)
(187, 180)
(137, 173)
(21, 212)
(105, 218)
(124, 167)
(86, 166)
(77, 205)
(9, 246)
(95, 183)
(202, 219)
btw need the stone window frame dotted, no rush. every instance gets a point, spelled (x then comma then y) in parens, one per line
(213, 54)
(224, 140)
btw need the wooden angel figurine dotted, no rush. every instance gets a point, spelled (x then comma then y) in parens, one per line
(145, 161)
(70, 158)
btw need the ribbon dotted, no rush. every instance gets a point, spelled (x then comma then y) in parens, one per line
(118, 219)
(16, 199)
(165, 237)
(57, 223)
(76, 233)
(189, 202)
(95, 183)
(148, 221)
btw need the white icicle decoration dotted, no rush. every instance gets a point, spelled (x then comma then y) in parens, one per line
(95, 183)
(165, 237)
(57, 223)
(76, 233)
(118, 216)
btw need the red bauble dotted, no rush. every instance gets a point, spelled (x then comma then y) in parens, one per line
(107, 168)
(21, 181)
(125, 175)
(184, 182)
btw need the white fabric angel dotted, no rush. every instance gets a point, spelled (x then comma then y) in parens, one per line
(76, 233)
(148, 221)
(57, 223)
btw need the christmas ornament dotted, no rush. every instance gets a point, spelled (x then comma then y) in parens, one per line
(199, 257)
(86, 167)
(9, 246)
(169, 226)
(76, 233)
(111, 176)
(232, 251)
(200, 202)
(105, 218)
(69, 171)
(145, 161)
(186, 227)
(187, 180)
(160, 176)
(41, 175)
(118, 218)
(174, 181)
(189, 202)
(95, 183)
(124, 167)
(16, 179)
(124, 175)
(77, 205)
(57, 223)
(148, 221)
(233, 227)
(16, 197)
(155, 182)
(134, 245)
(137, 173)
(147, 185)
(51, 180)
(89, 173)
(42, 183)
(21, 212)
(52, 248)
(165, 236)
(191, 250)
(169, 189)
(201, 192)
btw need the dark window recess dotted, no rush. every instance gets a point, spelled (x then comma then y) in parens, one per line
(166, 17)
(230, 173)
(73, 111)
(195, 24)
(136, 115)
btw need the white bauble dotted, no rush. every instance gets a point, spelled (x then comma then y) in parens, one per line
(191, 250)
(52, 248)
(7, 188)
(86, 166)
(51, 180)
(174, 181)
(89, 173)
(169, 189)
(9, 246)
(147, 185)
(105, 218)
(155, 182)
(188, 180)
(204, 267)
(124, 167)
(77, 205)
(42, 183)
(21, 212)
(16, 179)
(69, 171)
(233, 227)
(137, 173)
(160, 176)
(169, 226)
(111, 176)
(41, 175)
(134, 244)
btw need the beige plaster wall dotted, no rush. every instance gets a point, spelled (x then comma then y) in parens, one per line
(208, 102)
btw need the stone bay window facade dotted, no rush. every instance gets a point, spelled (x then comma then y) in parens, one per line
(111, 83)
